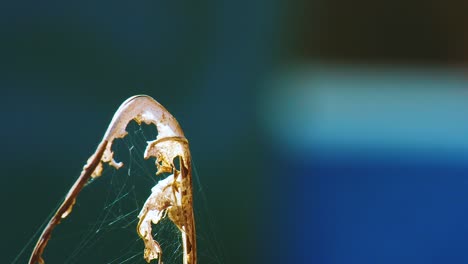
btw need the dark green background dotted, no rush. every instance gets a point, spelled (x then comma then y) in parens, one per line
(66, 67)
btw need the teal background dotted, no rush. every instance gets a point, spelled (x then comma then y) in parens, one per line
(66, 67)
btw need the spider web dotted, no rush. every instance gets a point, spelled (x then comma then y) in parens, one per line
(102, 226)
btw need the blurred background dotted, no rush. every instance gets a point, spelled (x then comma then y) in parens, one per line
(325, 131)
